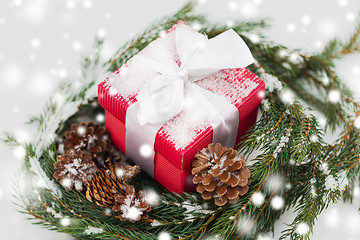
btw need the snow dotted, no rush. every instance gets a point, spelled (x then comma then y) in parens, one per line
(277, 203)
(302, 228)
(100, 117)
(287, 96)
(246, 225)
(35, 43)
(152, 197)
(192, 208)
(291, 27)
(247, 9)
(233, 5)
(120, 172)
(257, 198)
(334, 96)
(274, 183)
(77, 45)
(93, 230)
(65, 221)
(343, 3)
(164, 236)
(155, 223)
(306, 19)
(271, 82)
(314, 138)
(146, 150)
(54, 213)
(264, 237)
(19, 152)
(185, 127)
(66, 182)
(133, 213)
(12, 75)
(282, 142)
(357, 122)
(87, 4)
(336, 183)
(129, 210)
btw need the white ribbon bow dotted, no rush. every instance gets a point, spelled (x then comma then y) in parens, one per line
(162, 97)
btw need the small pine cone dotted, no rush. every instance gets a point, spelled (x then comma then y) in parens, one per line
(109, 182)
(131, 206)
(90, 137)
(74, 169)
(220, 174)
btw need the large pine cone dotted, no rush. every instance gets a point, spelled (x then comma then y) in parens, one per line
(110, 182)
(131, 206)
(220, 174)
(92, 138)
(74, 169)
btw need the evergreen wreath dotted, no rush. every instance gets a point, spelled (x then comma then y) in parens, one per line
(312, 173)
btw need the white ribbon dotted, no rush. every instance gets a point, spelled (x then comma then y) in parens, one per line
(162, 97)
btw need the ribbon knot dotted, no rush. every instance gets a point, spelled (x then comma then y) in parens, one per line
(183, 74)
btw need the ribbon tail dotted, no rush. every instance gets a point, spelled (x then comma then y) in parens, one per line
(222, 115)
(140, 149)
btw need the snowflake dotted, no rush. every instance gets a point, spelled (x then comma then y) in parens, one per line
(146, 150)
(164, 236)
(302, 228)
(151, 197)
(334, 96)
(277, 203)
(65, 221)
(295, 58)
(257, 199)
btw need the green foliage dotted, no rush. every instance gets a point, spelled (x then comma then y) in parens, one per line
(289, 141)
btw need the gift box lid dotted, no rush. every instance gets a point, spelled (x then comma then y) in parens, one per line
(182, 136)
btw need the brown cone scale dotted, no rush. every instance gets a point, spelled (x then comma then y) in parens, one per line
(92, 138)
(220, 174)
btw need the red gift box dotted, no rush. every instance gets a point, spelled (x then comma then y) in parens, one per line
(174, 155)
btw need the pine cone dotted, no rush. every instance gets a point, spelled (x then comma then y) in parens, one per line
(74, 169)
(220, 174)
(109, 182)
(92, 138)
(132, 206)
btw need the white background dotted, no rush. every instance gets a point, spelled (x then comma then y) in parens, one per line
(41, 42)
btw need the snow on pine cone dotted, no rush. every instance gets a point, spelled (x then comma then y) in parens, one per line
(110, 182)
(90, 137)
(74, 169)
(220, 174)
(131, 206)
